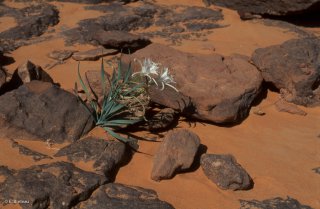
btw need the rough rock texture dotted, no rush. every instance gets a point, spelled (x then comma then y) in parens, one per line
(176, 153)
(31, 21)
(82, 1)
(93, 54)
(58, 185)
(271, 7)
(119, 196)
(275, 203)
(225, 172)
(42, 111)
(120, 40)
(211, 87)
(107, 155)
(3, 76)
(284, 106)
(294, 68)
(162, 120)
(173, 23)
(36, 156)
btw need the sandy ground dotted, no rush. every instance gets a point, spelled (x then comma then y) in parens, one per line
(278, 150)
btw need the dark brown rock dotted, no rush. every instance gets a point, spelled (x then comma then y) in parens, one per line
(93, 54)
(119, 196)
(225, 172)
(162, 120)
(42, 111)
(107, 155)
(176, 153)
(211, 87)
(271, 7)
(36, 156)
(58, 185)
(3, 77)
(120, 40)
(28, 71)
(284, 106)
(294, 68)
(275, 203)
(61, 55)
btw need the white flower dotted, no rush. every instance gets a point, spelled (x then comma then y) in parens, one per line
(148, 68)
(166, 79)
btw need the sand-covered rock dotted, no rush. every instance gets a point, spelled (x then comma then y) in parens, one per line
(211, 87)
(40, 110)
(61, 55)
(284, 106)
(107, 155)
(57, 185)
(119, 196)
(275, 203)
(176, 153)
(294, 68)
(271, 7)
(225, 172)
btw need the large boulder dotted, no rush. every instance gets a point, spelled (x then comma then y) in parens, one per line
(119, 196)
(294, 68)
(211, 87)
(58, 185)
(42, 111)
(271, 7)
(175, 154)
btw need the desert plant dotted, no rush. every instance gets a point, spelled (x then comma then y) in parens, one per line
(123, 102)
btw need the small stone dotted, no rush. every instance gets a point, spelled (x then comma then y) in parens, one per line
(176, 153)
(258, 111)
(225, 172)
(284, 106)
(93, 54)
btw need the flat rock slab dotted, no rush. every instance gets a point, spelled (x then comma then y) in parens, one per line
(93, 54)
(61, 55)
(284, 106)
(211, 87)
(294, 68)
(42, 111)
(58, 185)
(275, 203)
(119, 196)
(36, 156)
(271, 7)
(107, 155)
(225, 172)
(120, 40)
(176, 153)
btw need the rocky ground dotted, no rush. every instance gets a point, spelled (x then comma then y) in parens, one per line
(241, 130)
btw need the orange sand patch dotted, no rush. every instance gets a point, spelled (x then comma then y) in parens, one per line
(7, 23)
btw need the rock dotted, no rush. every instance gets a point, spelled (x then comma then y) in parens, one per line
(3, 77)
(59, 185)
(225, 172)
(258, 111)
(36, 156)
(316, 170)
(283, 106)
(31, 21)
(175, 154)
(93, 54)
(211, 87)
(106, 155)
(120, 40)
(61, 55)
(275, 203)
(28, 72)
(119, 196)
(43, 111)
(294, 68)
(271, 8)
(162, 120)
